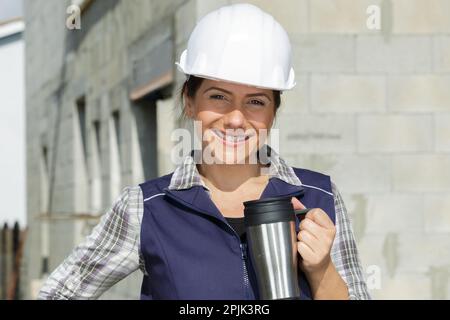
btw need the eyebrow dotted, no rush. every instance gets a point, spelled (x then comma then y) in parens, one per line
(247, 95)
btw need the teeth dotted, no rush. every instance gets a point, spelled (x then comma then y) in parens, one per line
(234, 138)
(230, 138)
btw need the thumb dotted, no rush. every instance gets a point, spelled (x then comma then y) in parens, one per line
(297, 204)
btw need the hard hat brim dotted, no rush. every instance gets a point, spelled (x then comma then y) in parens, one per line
(181, 69)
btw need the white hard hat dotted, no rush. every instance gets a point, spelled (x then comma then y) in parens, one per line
(242, 44)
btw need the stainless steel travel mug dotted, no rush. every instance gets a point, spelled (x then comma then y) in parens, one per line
(272, 243)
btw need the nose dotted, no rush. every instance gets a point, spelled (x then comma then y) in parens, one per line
(234, 119)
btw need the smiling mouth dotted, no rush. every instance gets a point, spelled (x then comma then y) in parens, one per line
(232, 140)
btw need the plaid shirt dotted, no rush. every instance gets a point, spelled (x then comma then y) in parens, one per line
(112, 250)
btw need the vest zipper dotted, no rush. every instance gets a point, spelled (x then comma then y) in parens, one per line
(243, 247)
(244, 257)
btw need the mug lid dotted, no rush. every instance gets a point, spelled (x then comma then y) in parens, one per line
(268, 210)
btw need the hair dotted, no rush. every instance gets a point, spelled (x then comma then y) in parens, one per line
(191, 86)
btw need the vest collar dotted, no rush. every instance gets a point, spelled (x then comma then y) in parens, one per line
(197, 198)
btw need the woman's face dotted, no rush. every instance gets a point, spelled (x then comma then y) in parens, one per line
(235, 120)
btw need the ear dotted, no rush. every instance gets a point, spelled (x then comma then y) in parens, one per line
(269, 128)
(188, 106)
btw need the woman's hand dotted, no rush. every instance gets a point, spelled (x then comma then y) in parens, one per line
(315, 240)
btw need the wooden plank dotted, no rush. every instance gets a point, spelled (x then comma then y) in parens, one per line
(2, 263)
(14, 290)
(151, 86)
(9, 260)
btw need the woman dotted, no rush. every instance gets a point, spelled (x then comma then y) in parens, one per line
(185, 230)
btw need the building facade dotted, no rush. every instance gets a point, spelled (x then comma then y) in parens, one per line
(371, 108)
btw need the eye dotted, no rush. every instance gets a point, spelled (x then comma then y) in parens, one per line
(217, 97)
(257, 102)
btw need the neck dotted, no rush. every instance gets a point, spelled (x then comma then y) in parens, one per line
(230, 177)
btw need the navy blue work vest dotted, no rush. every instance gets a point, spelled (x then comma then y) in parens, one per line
(190, 251)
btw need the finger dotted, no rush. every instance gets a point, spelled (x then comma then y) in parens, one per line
(310, 240)
(305, 251)
(297, 204)
(320, 217)
(312, 227)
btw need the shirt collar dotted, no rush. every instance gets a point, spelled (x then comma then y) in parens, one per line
(186, 175)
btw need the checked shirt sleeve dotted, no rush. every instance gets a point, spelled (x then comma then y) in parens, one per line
(109, 254)
(344, 253)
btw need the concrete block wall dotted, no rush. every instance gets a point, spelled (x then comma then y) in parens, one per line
(371, 109)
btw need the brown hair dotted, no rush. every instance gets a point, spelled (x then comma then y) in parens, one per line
(192, 84)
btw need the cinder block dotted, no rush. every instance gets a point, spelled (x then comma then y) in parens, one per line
(420, 17)
(436, 213)
(399, 213)
(419, 93)
(292, 15)
(356, 204)
(395, 133)
(405, 286)
(442, 129)
(439, 278)
(355, 173)
(370, 249)
(323, 53)
(421, 173)
(417, 252)
(297, 160)
(441, 53)
(383, 285)
(297, 99)
(317, 134)
(340, 16)
(411, 54)
(374, 265)
(347, 93)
